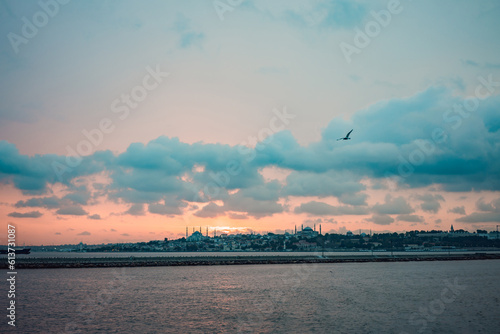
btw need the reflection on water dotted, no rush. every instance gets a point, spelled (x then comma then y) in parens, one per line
(411, 297)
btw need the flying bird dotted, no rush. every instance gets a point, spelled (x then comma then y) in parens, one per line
(346, 137)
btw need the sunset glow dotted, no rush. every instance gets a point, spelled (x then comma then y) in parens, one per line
(123, 123)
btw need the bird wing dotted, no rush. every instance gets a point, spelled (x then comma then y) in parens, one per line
(347, 136)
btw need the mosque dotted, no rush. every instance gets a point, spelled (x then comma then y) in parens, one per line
(308, 232)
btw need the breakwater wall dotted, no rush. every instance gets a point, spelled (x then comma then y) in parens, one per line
(44, 263)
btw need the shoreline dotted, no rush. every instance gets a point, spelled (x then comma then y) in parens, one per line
(54, 263)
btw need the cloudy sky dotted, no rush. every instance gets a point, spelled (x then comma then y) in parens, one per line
(130, 120)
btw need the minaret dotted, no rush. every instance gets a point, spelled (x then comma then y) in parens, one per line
(207, 231)
(295, 229)
(320, 229)
(302, 227)
(186, 231)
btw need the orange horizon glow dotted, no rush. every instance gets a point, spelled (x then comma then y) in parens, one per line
(115, 227)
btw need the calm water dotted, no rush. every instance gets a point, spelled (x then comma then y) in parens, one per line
(411, 297)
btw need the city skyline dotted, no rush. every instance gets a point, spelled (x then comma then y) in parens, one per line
(124, 122)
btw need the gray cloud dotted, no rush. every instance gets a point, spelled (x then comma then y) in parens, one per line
(410, 218)
(381, 219)
(323, 185)
(40, 202)
(393, 205)
(31, 175)
(458, 210)
(211, 210)
(489, 213)
(481, 217)
(324, 209)
(320, 221)
(169, 207)
(160, 173)
(233, 215)
(32, 214)
(136, 209)
(73, 210)
(353, 199)
(80, 195)
(430, 202)
(493, 206)
(240, 203)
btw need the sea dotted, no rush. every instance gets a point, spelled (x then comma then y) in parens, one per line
(237, 253)
(373, 297)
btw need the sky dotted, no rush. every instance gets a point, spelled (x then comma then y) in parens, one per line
(126, 121)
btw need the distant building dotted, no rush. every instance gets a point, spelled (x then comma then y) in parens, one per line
(413, 247)
(308, 233)
(196, 236)
(304, 245)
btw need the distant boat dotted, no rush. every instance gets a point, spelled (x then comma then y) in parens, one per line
(17, 251)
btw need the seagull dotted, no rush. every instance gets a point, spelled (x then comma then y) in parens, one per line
(346, 137)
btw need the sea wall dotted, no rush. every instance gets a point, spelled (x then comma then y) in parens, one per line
(43, 263)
